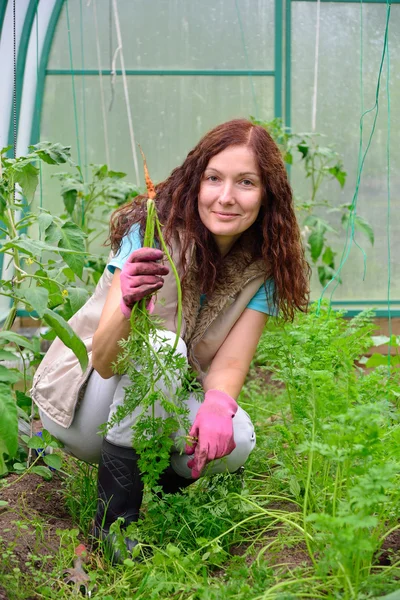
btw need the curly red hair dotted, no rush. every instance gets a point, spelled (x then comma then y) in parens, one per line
(276, 236)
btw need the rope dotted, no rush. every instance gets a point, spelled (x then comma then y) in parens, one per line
(73, 84)
(110, 52)
(37, 79)
(125, 84)
(103, 104)
(247, 59)
(15, 85)
(388, 157)
(316, 61)
(113, 73)
(361, 161)
(83, 94)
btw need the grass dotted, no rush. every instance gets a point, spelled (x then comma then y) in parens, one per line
(308, 518)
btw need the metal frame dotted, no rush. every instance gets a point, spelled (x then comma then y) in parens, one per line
(354, 1)
(288, 63)
(21, 61)
(44, 59)
(3, 8)
(281, 73)
(20, 67)
(164, 72)
(278, 58)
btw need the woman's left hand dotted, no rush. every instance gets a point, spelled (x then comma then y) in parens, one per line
(212, 431)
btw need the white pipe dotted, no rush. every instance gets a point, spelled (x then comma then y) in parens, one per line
(316, 61)
(7, 63)
(125, 83)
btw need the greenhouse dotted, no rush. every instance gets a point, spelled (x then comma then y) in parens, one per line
(200, 299)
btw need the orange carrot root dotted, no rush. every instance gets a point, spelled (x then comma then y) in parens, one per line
(151, 190)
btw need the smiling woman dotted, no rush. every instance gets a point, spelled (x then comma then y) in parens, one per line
(228, 218)
(230, 195)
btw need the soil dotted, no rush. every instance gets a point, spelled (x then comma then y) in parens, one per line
(390, 549)
(265, 378)
(31, 500)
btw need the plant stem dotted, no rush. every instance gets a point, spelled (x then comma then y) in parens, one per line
(178, 285)
(309, 473)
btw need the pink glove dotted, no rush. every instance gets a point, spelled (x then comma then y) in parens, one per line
(212, 430)
(141, 276)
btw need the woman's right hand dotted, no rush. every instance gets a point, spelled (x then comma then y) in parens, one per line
(141, 276)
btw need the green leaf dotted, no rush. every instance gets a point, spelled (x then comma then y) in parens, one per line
(49, 335)
(26, 175)
(73, 238)
(100, 171)
(67, 336)
(70, 196)
(288, 158)
(380, 359)
(9, 375)
(35, 442)
(3, 503)
(7, 355)
(36, 297)
(116, 174)
(325, 274)
(8, 426)
(316, 241)
(303, 148)
(19, 467)
(3, 202)
(44, 220)
(36, 247)
(23, 400)
(16, 338)
(317, 223)
(53, 154)
(338, 173)
(362, 225)
(77, 297)
(128, 562)
(53, 460)
(69, 274)
(53, 235)
(328, 257)
(43, 472)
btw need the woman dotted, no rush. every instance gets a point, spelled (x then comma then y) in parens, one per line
(229, 220)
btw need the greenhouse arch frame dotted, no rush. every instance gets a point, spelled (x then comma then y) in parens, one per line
(33, 46)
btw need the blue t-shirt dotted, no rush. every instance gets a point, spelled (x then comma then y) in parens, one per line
(262, 300)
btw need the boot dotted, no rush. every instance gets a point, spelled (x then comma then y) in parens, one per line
(119, 492)
(171, 482)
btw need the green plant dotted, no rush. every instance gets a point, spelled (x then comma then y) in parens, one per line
(89, 204)
(338, 444)
(80, 492)
(43, 279)
(321, 164)
(155, 370)
(377, 359)
(52, 462)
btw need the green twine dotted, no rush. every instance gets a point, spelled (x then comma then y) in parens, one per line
(361, 161)
(247, 60)
(73, 84)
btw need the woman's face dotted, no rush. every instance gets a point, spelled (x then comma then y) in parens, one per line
(230, 195)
